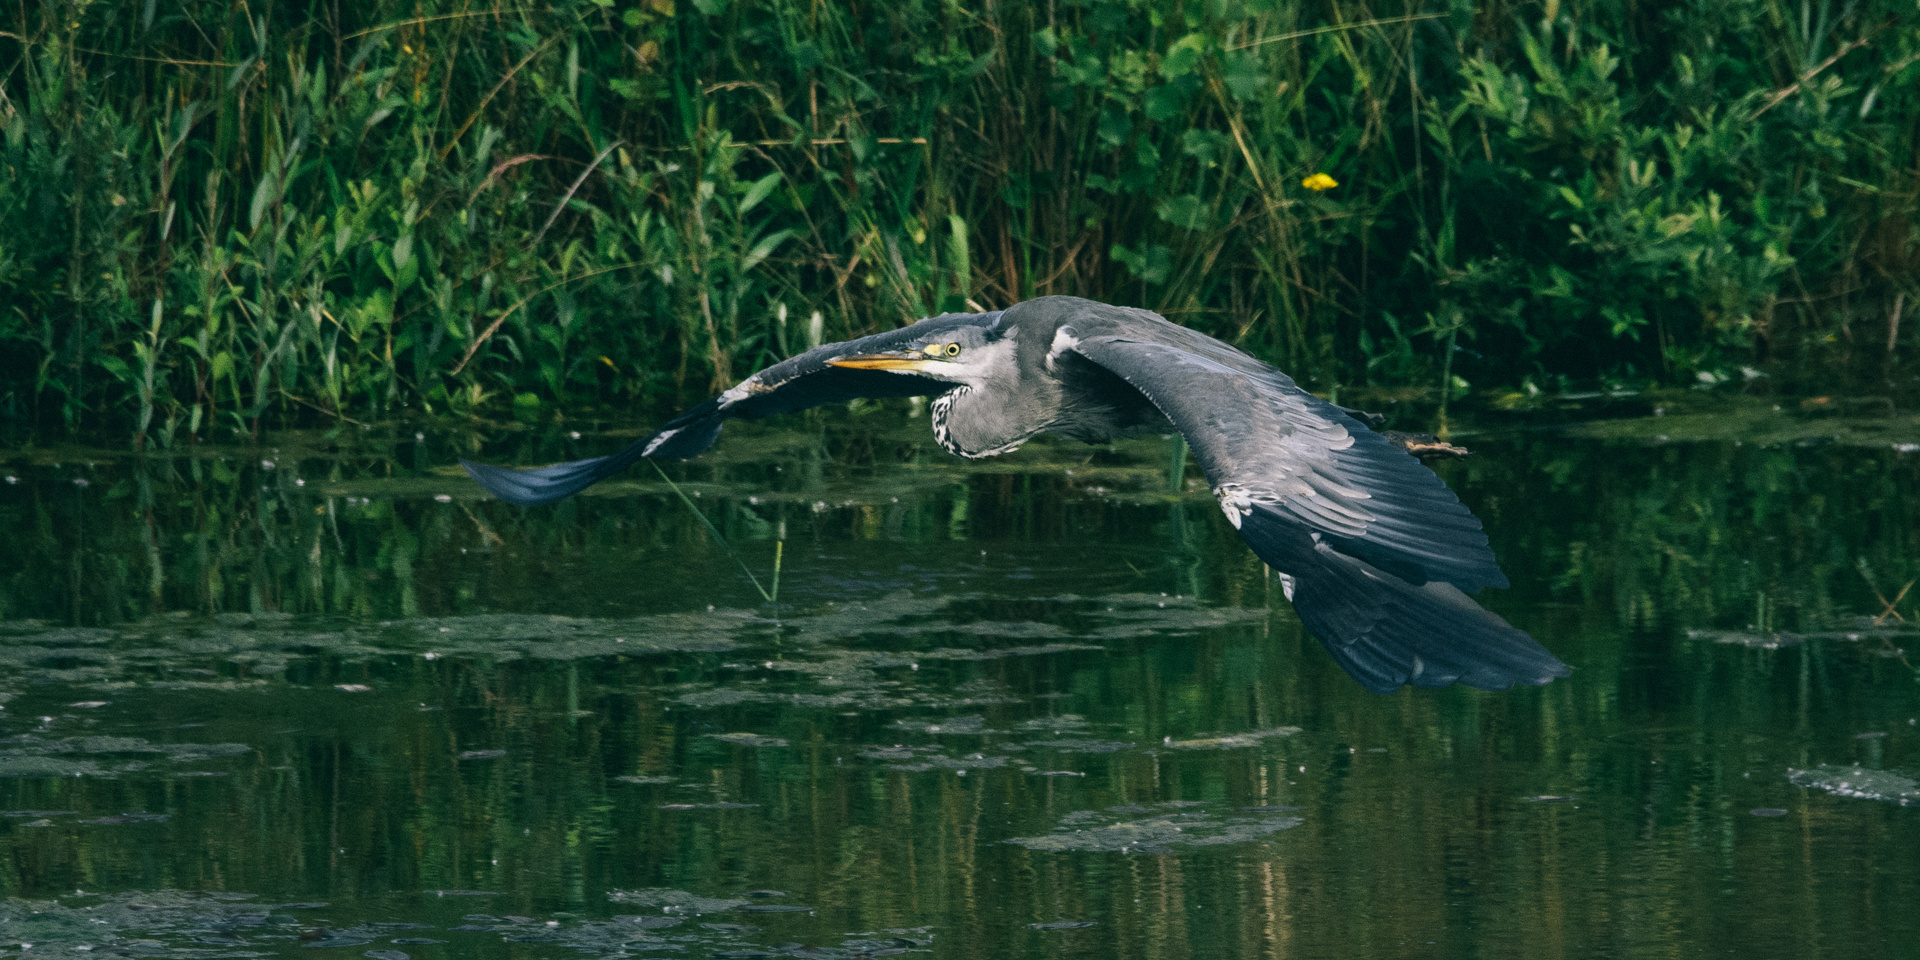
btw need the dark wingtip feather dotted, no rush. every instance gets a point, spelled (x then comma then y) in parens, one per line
(1399, 650)
(685, 437)
(533, 487)
(1387, 633)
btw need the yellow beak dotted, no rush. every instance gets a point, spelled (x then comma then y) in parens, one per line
(882, 361)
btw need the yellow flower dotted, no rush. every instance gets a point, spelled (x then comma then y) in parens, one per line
(1319, 181)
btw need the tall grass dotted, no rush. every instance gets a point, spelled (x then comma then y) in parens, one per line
(213, 214)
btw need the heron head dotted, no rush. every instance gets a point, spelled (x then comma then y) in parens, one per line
(963, 355)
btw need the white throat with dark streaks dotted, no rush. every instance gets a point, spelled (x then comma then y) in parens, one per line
(940, 411)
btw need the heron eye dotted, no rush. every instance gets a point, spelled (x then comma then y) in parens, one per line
(953, 349)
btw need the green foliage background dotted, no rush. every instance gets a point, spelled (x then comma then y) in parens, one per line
(212, 213)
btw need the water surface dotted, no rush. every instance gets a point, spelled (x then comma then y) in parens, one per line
(320, 697)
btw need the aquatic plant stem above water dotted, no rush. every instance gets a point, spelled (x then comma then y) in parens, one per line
(771, 596)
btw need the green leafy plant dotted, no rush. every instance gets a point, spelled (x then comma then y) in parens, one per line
(213, 216)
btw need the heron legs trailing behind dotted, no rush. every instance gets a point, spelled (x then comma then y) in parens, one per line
(1374, 551)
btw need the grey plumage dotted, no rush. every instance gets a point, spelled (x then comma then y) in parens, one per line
(1376, 554)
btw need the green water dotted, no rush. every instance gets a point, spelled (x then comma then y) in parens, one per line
(320, 698)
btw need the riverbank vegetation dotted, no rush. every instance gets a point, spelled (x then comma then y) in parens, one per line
(213, 214)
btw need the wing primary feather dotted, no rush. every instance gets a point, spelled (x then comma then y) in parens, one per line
(807, 380)
(1387, 632)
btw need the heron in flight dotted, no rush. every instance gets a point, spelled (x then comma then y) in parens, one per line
(1375, 553)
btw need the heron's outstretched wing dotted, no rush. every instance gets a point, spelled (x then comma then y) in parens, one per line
(1267, 444)
(1375, 548)
(795, 384)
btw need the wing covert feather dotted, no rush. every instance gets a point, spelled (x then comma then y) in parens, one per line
(1267, 444)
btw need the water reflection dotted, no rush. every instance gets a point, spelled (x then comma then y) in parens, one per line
(1040, 706)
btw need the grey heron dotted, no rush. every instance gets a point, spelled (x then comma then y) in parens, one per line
(1376, 554)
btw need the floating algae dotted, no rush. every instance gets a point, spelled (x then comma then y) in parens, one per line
(750, 739)
(171, 652)
(837, 656)
(974, 761)
(1076, 745)
(30, 766)
(1778, 639)
(1251, 738)
(1168, 825)
(163, 922)
(203, 926)
(676, 901)
(32, 755)
(951, 726)
(878, 680)
(1860, 783)
(895, 752)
